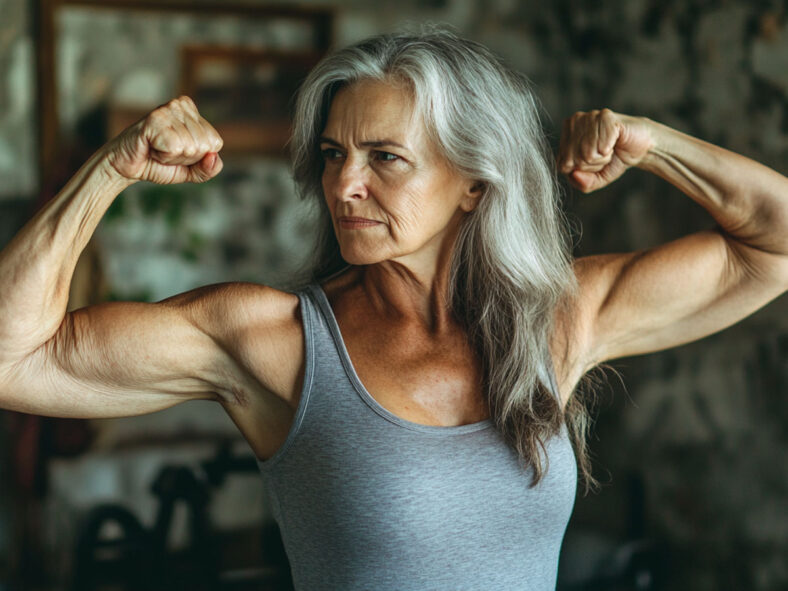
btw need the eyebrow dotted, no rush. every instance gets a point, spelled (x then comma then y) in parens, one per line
(367, 144)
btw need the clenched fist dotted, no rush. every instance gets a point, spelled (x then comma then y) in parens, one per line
(172, 144)
(597, 147)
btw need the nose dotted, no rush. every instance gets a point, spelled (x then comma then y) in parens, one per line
(351, 182)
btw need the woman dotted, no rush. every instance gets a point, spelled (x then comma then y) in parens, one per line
(411, 406)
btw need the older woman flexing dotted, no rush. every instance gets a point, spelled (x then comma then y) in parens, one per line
(412, 406)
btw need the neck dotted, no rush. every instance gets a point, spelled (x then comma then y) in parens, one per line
(414, 288)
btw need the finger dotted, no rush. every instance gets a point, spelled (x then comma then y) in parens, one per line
(206, 138)
(595, 166)
(589, 142)
(165, 137)
(207, 168)
(213, 139)
(178, 135)
(181, 108)
(175, 145)
(204, 134)
(608, 132)
(186, 103)
(591, 160)
(194, 149)
(585, 181)
(165, 174)
(600, 123)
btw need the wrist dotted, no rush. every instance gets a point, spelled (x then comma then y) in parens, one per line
(109, 174)
(660, 140)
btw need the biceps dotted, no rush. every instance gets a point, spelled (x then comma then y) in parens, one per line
(680, 292)
(116, 359)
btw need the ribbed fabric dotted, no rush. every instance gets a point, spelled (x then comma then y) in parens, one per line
(368, 500)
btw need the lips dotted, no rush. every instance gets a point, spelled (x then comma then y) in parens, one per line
(354, 219)
(356, 223)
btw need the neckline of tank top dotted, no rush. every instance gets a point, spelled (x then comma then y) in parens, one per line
(333, 326)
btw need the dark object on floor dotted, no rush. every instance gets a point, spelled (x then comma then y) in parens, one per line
(114, 551)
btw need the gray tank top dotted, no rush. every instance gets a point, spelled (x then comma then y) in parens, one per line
(367, 500)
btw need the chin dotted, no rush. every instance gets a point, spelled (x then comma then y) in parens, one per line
(354, 256)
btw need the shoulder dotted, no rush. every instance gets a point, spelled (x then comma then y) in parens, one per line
(258, 326)
(228, 306)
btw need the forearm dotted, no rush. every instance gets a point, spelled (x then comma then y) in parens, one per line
(36, 267)
(747, 199)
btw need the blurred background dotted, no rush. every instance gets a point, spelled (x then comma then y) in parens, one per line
(691, 451)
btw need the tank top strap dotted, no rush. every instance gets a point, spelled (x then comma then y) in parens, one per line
(329, 357)
(325, 330)
(327, 392)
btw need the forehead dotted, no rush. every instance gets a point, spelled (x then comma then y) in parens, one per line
(374, 110)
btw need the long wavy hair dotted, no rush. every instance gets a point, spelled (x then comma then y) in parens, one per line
(511, 265)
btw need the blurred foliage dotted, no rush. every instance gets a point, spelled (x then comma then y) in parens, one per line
(169, 201)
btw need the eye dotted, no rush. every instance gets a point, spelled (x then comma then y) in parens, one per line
(386, 156)
(331, 153)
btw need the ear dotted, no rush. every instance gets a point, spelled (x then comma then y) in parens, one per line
(472, 196)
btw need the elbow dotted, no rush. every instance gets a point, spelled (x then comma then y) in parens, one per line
(770, 226)
(765, 266)
(758, 220)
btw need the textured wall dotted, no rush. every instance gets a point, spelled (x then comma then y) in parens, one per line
(17, 140)
(695, 446)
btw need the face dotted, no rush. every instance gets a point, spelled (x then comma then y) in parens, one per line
(381, 165)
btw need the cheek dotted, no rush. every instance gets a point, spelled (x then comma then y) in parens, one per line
(409, 213)
(416, 214)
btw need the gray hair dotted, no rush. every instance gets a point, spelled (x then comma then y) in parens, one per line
(511, 265)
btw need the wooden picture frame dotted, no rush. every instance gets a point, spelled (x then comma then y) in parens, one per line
(44, 18)
(246, 93)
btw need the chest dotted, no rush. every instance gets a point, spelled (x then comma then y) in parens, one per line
(422, 380)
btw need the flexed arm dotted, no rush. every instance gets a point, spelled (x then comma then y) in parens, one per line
(38, 264)
(680, 291)
(56, 363)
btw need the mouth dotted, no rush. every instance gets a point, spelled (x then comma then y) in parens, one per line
(354, 222)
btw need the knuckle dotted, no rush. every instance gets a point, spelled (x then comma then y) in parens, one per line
(167, 140)
(186, 101)
(156, 123)
(158, 115)
(213, 140)
(170, 144)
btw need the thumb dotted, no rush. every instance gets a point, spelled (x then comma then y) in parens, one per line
(208, 167)
(585, 181)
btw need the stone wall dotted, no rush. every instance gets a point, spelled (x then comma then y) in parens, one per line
(693, 449)
(17, 102)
